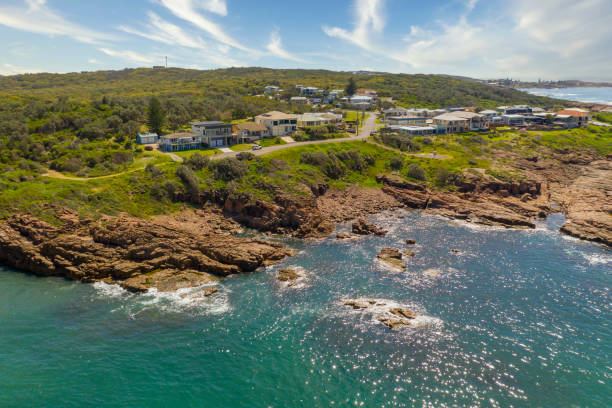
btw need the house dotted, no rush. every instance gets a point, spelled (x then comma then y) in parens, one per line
(147, 138)
(513, 120)
(317, 119)
(362, 102)
(461, 121)
(488, 113)
(178, 142)
(515, 110)
(407, 120)
(213, 133)
(278, 123)
(368, 92)
(580, 116)
(309, 90)
(271, 89)
(299, 100)
(248, 132)
(415, 130)
(397, 112)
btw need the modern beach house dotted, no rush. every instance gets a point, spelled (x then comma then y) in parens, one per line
(278, 123)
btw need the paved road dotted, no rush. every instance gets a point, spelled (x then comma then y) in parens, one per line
(596, 123)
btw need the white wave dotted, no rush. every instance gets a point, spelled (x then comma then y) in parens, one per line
(381, 309)
(110, 290)
(598, 259)
(188, 299)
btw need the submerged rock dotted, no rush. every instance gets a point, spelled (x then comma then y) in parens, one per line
(291, 277)
(411, 241)
(392, 257)
(409, 253)
(343, 235)
(205, 292)
(387, 313)
(167, 280)
(363, 227)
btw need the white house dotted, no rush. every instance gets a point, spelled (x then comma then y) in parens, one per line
(278, 123)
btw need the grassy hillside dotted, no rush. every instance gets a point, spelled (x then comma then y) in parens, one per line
(422, 90)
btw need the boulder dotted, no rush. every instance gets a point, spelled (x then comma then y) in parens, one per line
(392, 257)
(363, 227)
(411, 241)
(343, 235)
(402, 312)
(287, 275)
(359, 303)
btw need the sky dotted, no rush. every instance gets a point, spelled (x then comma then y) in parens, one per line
(521, 39)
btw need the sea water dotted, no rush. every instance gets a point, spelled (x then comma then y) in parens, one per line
(588, 95)
(516, 318)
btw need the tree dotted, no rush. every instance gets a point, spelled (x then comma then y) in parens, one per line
(156, 116)
(351, 87)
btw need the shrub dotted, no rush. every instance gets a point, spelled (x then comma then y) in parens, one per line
(230, 169)
(444, 176)
(245, 156)
(190, 180)
(416, 172)
(154, 170)
(396, 163)
(353, 160)
(328, 163)
(72, 165)
(197, 162)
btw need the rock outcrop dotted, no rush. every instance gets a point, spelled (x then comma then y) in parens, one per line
(363, 227)
(392, 257)
(385, 312)
(136, 253)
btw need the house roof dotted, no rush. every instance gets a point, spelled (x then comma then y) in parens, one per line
(458, 115)
(276, 115)
(251, 126)
(488, 112)
(574, 113)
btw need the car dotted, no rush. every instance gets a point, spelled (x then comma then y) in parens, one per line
(351, 130)
(256, 147)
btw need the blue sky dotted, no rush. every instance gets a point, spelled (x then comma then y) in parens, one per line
(527, 39)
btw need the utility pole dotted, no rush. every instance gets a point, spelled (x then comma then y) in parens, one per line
(166, 61)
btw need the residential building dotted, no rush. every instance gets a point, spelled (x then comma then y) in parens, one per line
(368, 92)
(581, 116)
(213, 133)
(395, 112)
(361, 102)
(147, 138)
(488, 113)
(271, 89)
(278, 123)
(178, 142)
(317, 119)
(515, 110)
(248, 132)
(309, 90)
(415, 130)
(407, 121)
(461, 121)
(513, 120)
(299, 100)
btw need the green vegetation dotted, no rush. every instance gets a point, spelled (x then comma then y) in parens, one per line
(351, 87)
(603, 117)
(82, 125)
(271, 142)
(241, 147)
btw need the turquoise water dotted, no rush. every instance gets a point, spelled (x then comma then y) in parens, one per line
(519, 318)
(587, 95)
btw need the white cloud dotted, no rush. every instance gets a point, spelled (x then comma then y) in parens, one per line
(369, 20)
(275, 47)
(444, 46)
(167, 33)
(8, 69)
(129, 56)
(36, 17)
(188, 11)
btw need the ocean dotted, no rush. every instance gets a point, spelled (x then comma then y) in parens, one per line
(588, 95)
(516, 318)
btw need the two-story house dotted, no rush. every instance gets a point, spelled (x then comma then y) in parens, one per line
(278, 123)
(213, 133)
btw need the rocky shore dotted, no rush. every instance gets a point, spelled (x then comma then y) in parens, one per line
(199, 247)
(193, 249)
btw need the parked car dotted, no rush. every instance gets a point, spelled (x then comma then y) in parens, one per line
(148, 148)
(256, 147)
(351, 130)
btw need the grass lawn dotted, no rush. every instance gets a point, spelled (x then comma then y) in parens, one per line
(241, 147)
(203, 152)
(271, 142)
(352, 116)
